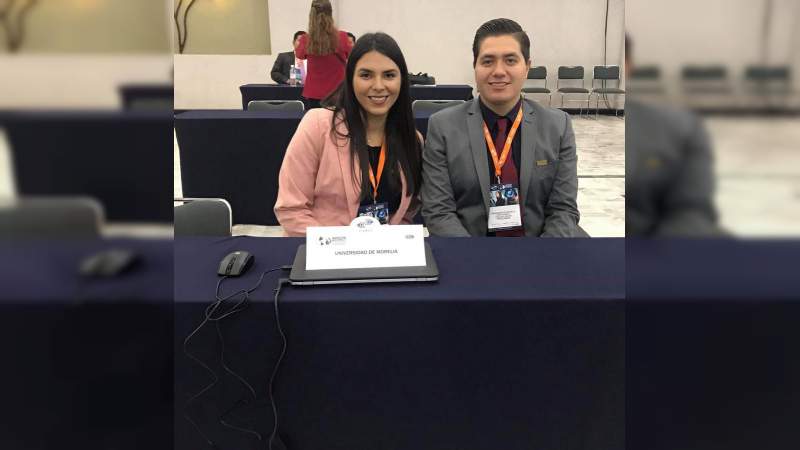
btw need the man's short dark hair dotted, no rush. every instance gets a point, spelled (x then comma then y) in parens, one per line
(352, 36)
(501, 27)
(298, 34)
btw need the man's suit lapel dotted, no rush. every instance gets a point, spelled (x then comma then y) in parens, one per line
(527, 149)
(478, 145)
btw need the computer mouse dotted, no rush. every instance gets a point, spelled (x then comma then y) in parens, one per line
(108, 263)
(235, 263)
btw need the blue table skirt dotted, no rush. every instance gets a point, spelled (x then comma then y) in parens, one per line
(519, 345)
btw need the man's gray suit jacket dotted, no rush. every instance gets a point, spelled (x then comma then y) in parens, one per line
(669, 176)
(455, 173)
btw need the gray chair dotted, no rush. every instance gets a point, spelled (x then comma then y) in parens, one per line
(33, 217)
(276, 105)
(645, 80)
(706, 84)
(705, 79)
(572, 73)
(431, 106)
(768, 86)
(605, 74)
(531, 86)
(203, 217)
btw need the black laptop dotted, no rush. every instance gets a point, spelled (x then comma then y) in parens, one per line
(302, 277)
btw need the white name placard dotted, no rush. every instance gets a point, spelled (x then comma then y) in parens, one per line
(357, 247)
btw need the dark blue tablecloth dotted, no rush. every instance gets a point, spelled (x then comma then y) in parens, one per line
(120, 158)
(88, 362)
(520, 345)
(142, 96)
(713, 334)
(235, 155)
(283, 92)
(41, 272)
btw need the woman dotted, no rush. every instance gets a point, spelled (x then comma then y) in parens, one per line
(332, 169)
(325, 50)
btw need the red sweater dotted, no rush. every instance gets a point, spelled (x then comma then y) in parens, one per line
(324, 73)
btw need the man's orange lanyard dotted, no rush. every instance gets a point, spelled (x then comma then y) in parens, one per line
(499, 162)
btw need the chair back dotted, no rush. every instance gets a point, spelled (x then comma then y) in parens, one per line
(203, 217)
(276, 105)
(51, 218)
(432, 106)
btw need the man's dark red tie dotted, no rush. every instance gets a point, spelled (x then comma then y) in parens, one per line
(508, 175)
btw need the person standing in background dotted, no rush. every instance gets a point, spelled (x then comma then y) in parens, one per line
(352, 38)
(325, 50)
(283, 64)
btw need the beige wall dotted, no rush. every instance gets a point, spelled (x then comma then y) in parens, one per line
(679, 32)
(78, 53)
(436, 37)
(75, 81)
(95, 26)
(212, 81)
(238, 27)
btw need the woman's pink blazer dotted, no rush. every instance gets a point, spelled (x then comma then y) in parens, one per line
(316, 186)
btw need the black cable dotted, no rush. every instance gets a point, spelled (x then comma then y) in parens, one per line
(185, 27)
(242, 380)
(209, 316)
(177, 24)
(605, 37)
(236, 308)
(202, 364)
(272, 436)
(605, 54)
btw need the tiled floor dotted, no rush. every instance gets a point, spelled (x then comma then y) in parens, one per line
(758, 175)
(601, 175)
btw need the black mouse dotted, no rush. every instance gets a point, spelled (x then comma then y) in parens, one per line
(108, 263)
(235, 264)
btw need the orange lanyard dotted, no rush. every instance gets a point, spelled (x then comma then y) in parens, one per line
(376, 182)
(499, 162)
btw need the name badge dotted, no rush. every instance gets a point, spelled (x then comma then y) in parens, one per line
(379, 211)
(504, 210)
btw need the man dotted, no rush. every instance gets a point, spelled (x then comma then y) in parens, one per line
(669, 181)
(352, 38)
(498, 142)
(285, 61)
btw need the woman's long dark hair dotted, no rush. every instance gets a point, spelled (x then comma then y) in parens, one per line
(402, 145)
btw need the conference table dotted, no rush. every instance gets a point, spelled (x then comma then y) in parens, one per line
(120, 158)
(147, 96)
(252, 92)
(237, 155)
(519, 345)
(88, 360)
(522, 343)
(712, 336)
